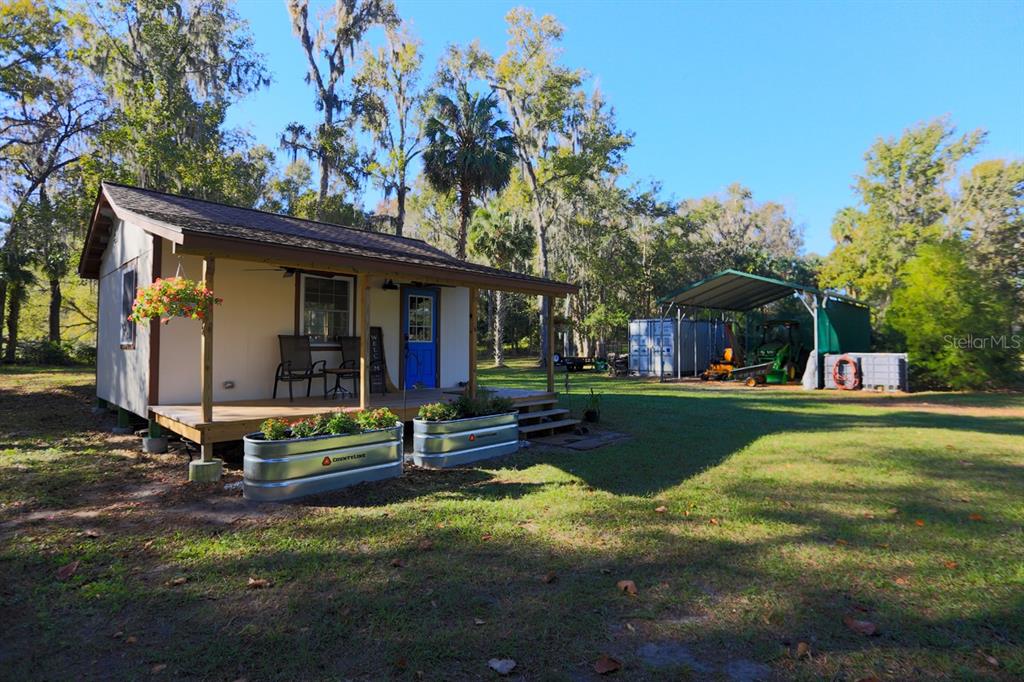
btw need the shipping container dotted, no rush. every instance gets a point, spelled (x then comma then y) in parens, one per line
(654, 351)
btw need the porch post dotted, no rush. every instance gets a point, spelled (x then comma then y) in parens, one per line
(549, 360)
(472, 342)
(206, 372)
(363, 327)
(206, 469)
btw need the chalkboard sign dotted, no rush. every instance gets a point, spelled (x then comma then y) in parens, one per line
(378, 365)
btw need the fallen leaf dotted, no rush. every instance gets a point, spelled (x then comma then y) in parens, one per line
(803, 650)
(68, 570)
(661, 510)
(159, 667)
(627, 586)
(180, 580)
(479, 621)
(426, 545)
(486, 536)
(91, 533)
(713, 521)
(257, 583)
(440, 525)
(919, 522)
(606, 664)
(840, 541)
(132, 639)
(861, 627)
(951, 565)
(976, 517)
(397, 563)
(989, 658)
(147, 544)
(502, 666)
(549, 577)
(893, 510)
(902, 582)
(868, 515)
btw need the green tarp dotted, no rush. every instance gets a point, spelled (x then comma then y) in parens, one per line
(843, 327)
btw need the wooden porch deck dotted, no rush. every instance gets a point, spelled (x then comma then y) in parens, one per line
(233, 419)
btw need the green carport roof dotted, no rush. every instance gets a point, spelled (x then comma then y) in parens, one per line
(740, 291)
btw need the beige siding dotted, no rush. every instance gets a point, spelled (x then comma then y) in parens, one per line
(259, 304)
(454, 325)
(122, 373)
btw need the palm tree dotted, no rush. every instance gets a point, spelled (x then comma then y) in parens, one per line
(469, 150)
(507, 243)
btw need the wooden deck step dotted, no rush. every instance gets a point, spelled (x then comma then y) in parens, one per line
(542, 414)
(536, 403)
(544, 427)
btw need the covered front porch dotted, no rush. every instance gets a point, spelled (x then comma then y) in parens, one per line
(230, 420)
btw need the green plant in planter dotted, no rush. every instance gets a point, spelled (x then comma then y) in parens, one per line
(592, 410)
(310, 426)
(341, 423)
(373, 420)
(274, 429)
(485, 403)
(437, 412)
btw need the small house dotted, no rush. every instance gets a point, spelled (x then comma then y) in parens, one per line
(398, 313)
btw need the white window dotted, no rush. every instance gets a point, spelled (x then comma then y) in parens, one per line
(128, 280)
(421, 318)
(326, 308)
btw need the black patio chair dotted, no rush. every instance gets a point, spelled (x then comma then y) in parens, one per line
(349, 367)
(297, 365)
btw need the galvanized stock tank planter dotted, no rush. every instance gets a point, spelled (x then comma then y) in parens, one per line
(439, 444)
(278, 470)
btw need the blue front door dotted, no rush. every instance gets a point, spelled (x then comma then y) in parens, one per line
(419, 326)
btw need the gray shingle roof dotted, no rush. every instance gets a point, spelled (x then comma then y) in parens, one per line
(221, 220)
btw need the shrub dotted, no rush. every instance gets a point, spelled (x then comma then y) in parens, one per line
(274, 429)
(373, 420)
(43, 352)
(437, 412)
(942, 303)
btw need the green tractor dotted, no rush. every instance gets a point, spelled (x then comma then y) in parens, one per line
(778, 358)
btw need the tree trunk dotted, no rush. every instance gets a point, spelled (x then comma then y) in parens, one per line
(464, 207)
(499, 328)
(325, 166)
(400, 199)
(3, 304)
(56, 297)
(13, 315)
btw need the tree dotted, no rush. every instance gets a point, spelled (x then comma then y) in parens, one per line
(327, 50)
(391, 103)
(955, 322)
(469, 151)
(47, 108)
(507, 243)
(903, 204)
(170, 71)
(990, 214)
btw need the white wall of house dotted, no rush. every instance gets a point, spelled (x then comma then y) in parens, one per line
(454, 325)
(122, 373)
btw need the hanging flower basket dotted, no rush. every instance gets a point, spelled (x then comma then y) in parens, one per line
(173, 297)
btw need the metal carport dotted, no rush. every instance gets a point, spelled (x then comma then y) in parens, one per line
(735, 291)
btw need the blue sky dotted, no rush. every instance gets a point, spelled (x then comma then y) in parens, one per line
(782, 97)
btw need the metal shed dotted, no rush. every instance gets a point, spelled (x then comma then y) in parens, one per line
(841, 324)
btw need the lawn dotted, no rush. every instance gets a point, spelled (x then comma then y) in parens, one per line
(766, 532)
